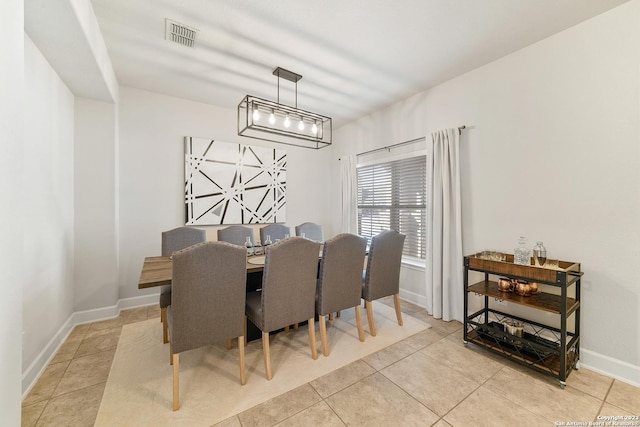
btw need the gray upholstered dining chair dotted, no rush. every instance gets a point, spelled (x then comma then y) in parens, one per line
(175, 240)
(382, 277)
(207, 302)
(340, 280)
(311, 231)
(288, 292)
(235, 234)
(275, 231)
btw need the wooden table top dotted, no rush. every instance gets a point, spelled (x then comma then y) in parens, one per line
(158, 270)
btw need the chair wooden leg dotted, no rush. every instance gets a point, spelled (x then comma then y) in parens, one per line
(323, 335)
(229, 344)
(295, 326)
(165, 327)
(330, 316)
(372, 326)
(359, 322)
(267, 355)
(176, 382)
(312, 339)
(286, 329)
(337, 314)
(243, 376)
(170, 353)
(396, 303)
(245, 330)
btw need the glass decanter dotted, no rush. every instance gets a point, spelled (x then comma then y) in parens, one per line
(521, 254)
(539, 254)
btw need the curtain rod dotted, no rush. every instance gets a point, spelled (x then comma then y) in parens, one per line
(401, 143)
(391, 146)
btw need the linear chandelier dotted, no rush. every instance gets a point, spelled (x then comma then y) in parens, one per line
(272, 121)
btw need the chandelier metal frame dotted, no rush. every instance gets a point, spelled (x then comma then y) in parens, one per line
(272, 121)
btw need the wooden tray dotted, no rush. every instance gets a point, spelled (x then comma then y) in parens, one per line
(508, 268)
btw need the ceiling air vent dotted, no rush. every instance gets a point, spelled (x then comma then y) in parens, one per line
(180, 33)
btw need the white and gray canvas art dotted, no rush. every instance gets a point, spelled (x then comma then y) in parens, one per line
(229, 183)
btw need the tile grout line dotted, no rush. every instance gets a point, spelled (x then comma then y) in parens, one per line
(467, 396)
(402, 388)
(301, 410)
(73, 357)
(604, 400)
(51, 396)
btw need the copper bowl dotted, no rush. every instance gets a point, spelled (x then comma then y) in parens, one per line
(523, 288)
(504, 284)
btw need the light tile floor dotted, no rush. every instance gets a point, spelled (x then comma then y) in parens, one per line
(431, 378)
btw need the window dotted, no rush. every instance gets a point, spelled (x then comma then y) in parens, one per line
(392, 196)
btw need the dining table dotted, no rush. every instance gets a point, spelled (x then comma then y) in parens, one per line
(157, 270)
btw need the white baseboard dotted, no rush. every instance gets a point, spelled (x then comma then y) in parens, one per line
(614, 368)
(413, 297)
(104, 313)
(37, 367)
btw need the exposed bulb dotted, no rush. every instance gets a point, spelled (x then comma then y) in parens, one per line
(272, 118)
(314, 129)
(300, 125)
(256, 115)
(287, 122)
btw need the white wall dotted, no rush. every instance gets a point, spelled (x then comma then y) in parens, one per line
(152, 127)
(96, 268)
(47, 205)
(11, 223)
(552, 153)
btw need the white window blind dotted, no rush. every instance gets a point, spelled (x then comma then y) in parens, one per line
(392, 196)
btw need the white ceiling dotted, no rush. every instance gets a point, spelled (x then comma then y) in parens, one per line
(355, 56)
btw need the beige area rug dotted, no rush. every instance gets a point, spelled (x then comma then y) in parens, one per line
(139, 388)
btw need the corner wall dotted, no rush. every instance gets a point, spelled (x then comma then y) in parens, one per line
(551, 152)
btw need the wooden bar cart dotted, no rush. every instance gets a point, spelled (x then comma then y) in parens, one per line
(552, 349)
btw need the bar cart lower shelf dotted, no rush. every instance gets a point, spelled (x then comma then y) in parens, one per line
(533, 350)
(548, 349)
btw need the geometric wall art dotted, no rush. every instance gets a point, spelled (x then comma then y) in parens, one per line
(229, 183)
